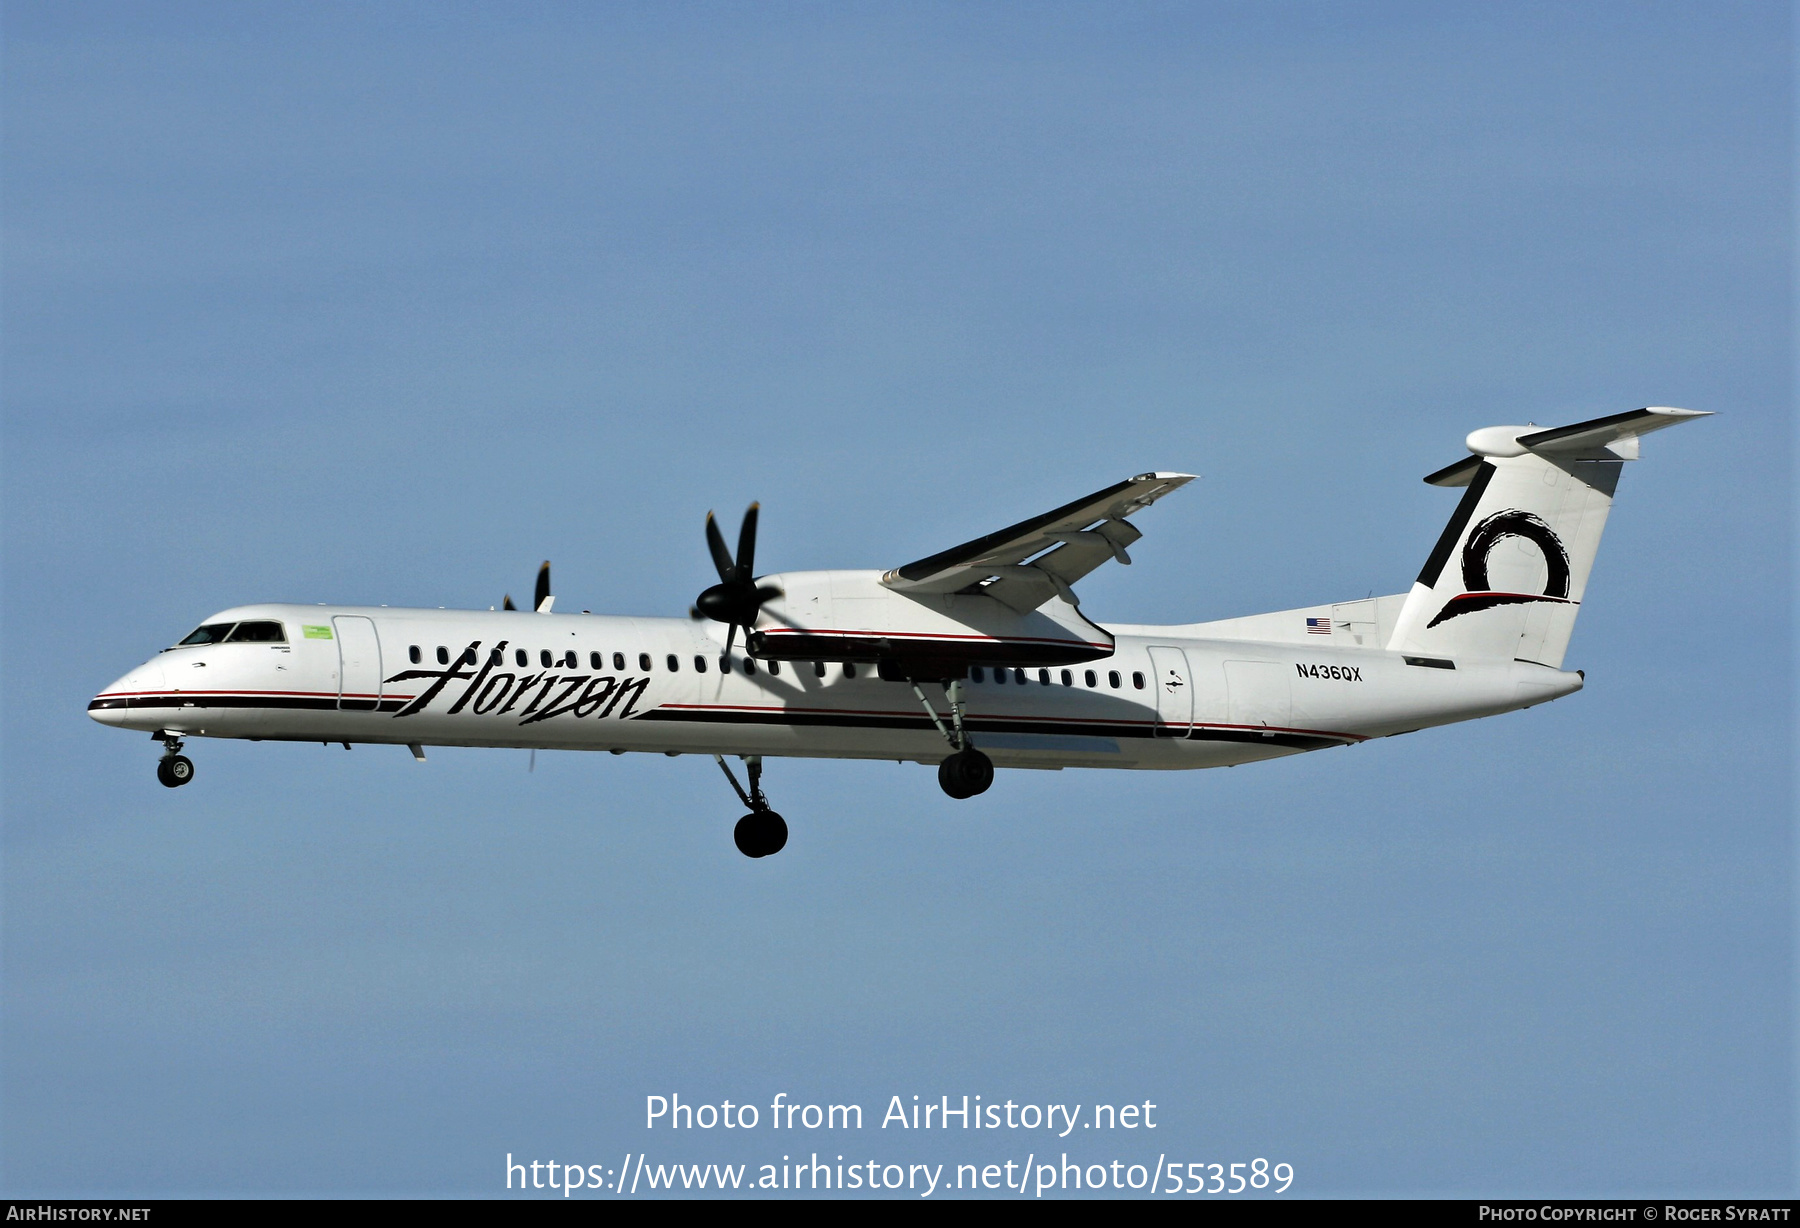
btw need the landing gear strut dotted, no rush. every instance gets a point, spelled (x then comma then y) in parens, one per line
(762, 832)
(965, 771)
(175, 768)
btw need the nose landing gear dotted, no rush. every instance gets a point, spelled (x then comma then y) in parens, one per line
(175, 769)
(762, 832)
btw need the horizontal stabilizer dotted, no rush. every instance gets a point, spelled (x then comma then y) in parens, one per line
(1611, 438)
(1604, 436)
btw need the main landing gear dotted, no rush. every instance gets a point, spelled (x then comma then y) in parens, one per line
(762, 832)
(965, 771)
(175, 768)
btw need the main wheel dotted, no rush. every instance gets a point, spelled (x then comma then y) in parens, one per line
(175, 770)
(966, 773)
(760, 833)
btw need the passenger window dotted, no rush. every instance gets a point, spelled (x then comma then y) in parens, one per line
(699, 664)
(521, 658)
(818, 669)
(849, 669)
(975, 674)
(1112, 678)
(724, 663)
(1019, 676)
(749, 668)
(544, 657)
(618, 660)
(495, 657)
(1088, 677)
(1068, 679)
(413, 654)
(1043, 677)
(774, 667)
(596, 661)
(258, 633)
(1137, 680)
(644, 661)
(443, 655)
(569, 661)
(674, 664)
(212, 633)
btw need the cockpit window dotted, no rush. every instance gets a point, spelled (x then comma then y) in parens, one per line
(211, 633)
(257, 633)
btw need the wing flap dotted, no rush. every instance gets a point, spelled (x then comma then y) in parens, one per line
(1027, 564)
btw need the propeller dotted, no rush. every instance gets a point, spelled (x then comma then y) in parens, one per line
(736, 599)
(543, 600)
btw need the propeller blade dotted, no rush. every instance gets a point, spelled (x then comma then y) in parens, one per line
(543, 586)
(715, 542)
(735, 600)
(746, 552)
(507, 604)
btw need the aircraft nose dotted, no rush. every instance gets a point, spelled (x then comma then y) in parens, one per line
(109, 706)
(112, 705)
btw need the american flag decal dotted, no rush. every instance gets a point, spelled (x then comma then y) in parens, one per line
(1318, 626)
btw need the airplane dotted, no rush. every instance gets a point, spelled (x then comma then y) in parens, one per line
(974, 658)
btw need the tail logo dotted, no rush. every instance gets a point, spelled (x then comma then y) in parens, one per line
(1481, 542)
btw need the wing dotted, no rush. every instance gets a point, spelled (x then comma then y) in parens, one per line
(1026, 564)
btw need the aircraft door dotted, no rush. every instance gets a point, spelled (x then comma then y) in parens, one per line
(1174, 683)
(359, 663)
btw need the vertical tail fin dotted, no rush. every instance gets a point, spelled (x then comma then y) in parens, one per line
(1507, 576)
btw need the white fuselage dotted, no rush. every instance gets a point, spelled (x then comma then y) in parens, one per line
(1166, 697)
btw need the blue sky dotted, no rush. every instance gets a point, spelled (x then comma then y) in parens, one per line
(386, 304)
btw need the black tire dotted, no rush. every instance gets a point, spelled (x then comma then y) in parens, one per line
(774, 833)
(175, 770)
(978, 771)
(760, 834)
(950, 777)
(966, 773)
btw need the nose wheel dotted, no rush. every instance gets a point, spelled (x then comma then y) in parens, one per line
(174, 769)
(762, 832)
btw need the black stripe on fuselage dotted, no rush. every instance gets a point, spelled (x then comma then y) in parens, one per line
(979, 725)
(827, 720)
(286, 703)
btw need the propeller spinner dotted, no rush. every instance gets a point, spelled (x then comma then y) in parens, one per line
(735, 600)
